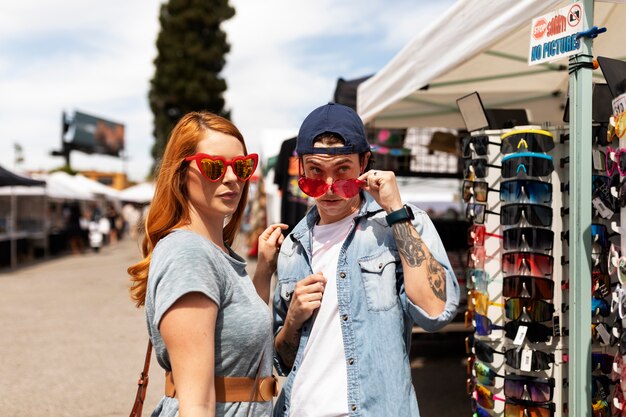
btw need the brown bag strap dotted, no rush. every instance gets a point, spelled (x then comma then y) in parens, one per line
(142, 384)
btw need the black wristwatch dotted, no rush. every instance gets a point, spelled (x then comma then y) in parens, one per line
(405, 213)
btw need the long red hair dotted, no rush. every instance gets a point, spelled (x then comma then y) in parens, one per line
(169, 209)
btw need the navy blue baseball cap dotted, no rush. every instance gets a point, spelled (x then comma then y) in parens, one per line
(332, 118)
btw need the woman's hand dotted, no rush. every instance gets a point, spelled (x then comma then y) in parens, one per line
(269, 245)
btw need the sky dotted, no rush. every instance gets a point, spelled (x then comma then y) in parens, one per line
(97, 58)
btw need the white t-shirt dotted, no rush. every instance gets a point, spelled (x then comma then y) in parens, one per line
(320, 388)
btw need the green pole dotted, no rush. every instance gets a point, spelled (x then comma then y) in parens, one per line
(580, 228)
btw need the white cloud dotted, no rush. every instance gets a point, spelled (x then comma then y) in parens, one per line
(97, 57)
(268, 84)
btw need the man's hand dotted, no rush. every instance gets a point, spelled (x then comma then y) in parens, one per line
(306, 298)
(383, 187)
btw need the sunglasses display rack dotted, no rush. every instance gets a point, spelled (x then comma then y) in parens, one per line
(608, 269)
(516, 303)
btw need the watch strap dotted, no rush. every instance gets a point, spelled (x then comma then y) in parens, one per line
(405, 213)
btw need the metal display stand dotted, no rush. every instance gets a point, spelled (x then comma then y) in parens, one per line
(494, 250)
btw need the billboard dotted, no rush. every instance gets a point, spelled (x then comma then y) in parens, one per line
(92, 134)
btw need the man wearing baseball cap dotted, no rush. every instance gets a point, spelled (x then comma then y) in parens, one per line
(353, 277)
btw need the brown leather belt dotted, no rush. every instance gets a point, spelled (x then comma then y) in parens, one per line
(235, 389)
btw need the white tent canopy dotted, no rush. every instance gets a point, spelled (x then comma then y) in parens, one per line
(141, 193)
(77, 187)
(479, 45)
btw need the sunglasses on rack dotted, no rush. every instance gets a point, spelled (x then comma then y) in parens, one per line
(537, 192)
(601, 387)
(599, 234)
(600, 282)
(527, 163)
(616, 127)
(528, 409)
(478, 410)
(528, 286)
(540, 361)
(214, 167)
(477, 190)
(536, 332)
(599, 135)
(601, 188)
(539, 390)
(476, 168)
(480, 302)
(535, 214)
(477, 279)
(477, 233)
(600, 185)
(602, 361)
(485, 398)
(600, 307)
(618, 403)
(616, 330)
(532, 140)
(485, 375)
(618, 301)
(615, 160)
(597, 331)
(475, 212)
(600, 408)
(476, 257)
(621, 193)
(531, 238)
(536, 310)
(527, 263)
(479, 143)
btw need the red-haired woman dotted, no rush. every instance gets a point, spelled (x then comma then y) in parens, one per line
(208, 321)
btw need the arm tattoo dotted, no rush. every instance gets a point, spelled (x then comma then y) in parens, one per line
(411, 248)
(437, 278)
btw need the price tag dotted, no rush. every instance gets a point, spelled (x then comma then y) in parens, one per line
(527, 360)
(619, 104)
(604, 334)
(603, 210)
(521, 335)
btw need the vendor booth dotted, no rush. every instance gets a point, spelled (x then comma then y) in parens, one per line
(545, 197)
(22, 218)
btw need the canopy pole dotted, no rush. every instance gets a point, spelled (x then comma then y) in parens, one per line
(580, 227)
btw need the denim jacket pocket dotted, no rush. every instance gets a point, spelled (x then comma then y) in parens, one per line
(378, 273)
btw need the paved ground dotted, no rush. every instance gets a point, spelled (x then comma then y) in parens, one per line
(73, 344)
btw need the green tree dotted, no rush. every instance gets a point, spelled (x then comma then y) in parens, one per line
(191, 54)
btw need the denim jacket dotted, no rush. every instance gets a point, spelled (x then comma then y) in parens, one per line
(376, 315)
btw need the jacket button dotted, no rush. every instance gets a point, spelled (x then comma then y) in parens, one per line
(342, 275)
(351, 361)
(284, 408)
(294, 368)
(353, 407)
(344, 317)
(380, 265)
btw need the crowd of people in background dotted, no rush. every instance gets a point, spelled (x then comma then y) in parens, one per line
(93, 226)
